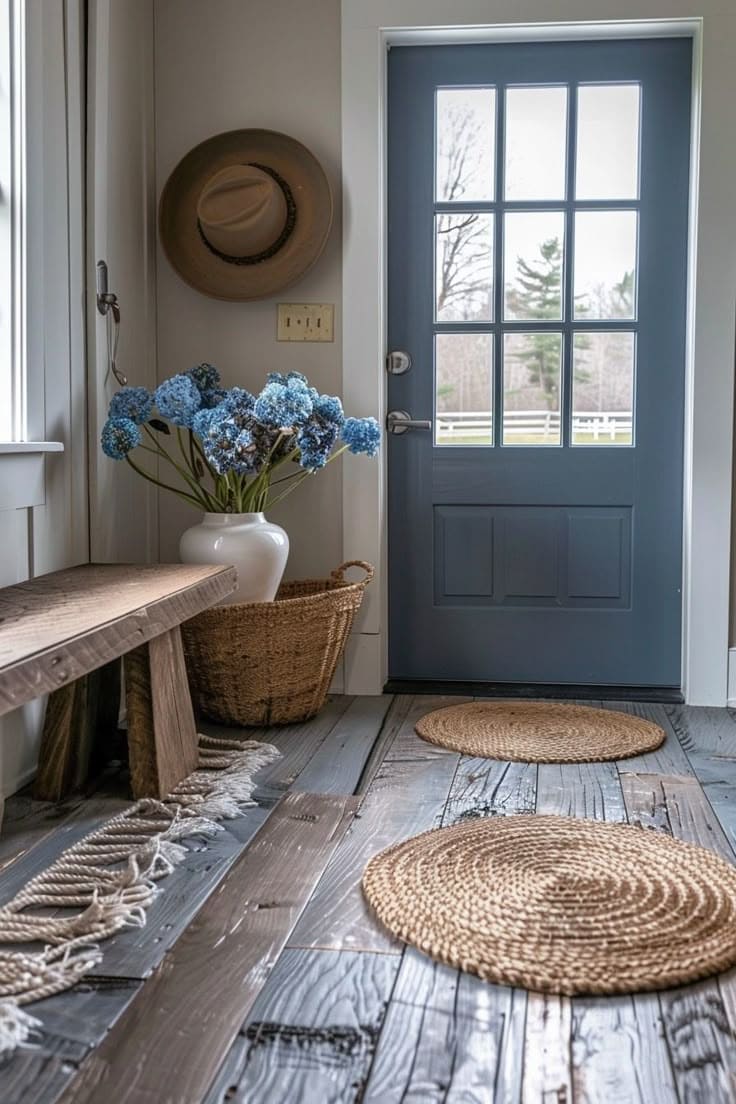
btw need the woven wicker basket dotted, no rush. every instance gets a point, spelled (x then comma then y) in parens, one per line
(272, 662)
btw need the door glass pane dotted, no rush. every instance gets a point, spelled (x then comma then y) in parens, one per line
(605, 264)
(466, 137)
(464, 260)
(533, 252)
(602, 388)
(464, 389)
(532, 370)
(536, 143)
(608, 142)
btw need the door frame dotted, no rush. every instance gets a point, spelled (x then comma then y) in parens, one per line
(368, 31)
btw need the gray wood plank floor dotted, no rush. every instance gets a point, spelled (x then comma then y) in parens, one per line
(345, 1013)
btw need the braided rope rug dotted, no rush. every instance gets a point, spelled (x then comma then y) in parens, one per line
(539, 732)
(559, 905)
(107, 881)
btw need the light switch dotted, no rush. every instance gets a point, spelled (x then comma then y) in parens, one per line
(306, 322)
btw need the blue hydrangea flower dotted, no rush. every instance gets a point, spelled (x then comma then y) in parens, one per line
(202, 420)
(329, 409)
(279, 377)
(284, 405)
(362, 435)
(315, 443)
(218, 445)
(205, 377)
(135, 403)
(119, 436)
(213, 396)
(178, 399)
(238, 401)
(245, 453)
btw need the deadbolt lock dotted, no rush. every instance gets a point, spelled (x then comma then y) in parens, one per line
(398, 362)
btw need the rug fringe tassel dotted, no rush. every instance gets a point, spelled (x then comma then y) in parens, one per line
(16, 1027)
(110, 878)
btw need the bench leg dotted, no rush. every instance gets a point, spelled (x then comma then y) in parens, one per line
(81, 718)
(162, 737)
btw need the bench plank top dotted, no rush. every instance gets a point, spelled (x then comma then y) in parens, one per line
(61, 626)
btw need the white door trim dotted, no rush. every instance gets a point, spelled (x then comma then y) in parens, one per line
(121, 230)
(369, 27)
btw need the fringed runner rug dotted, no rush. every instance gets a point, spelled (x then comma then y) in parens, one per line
(107, 881)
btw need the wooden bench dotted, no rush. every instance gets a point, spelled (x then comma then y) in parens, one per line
(64, 634)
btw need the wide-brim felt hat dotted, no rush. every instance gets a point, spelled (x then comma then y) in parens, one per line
(245, 214)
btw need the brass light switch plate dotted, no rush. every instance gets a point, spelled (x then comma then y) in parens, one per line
(306, 322)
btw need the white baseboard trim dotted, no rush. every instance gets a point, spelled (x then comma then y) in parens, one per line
(19, 782)
(337, 686)
(731, 699)
(363, 664)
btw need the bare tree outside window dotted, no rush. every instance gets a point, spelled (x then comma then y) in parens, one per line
(464, 268)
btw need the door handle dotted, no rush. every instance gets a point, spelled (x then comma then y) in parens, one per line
(398, 421)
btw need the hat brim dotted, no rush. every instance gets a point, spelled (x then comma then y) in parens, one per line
(189, 255)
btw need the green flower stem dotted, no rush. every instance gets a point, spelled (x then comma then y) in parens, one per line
(193, 458)
(187, 458)
(234, 492)
(255, 493)
(189, 471)
(200, 452)
(200, 492)
(286, 478)
(190, 499)
(283, 459)
(222, 492)
(305, 475)
(231, 492)
(161, 451)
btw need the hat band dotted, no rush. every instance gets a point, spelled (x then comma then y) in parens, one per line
(265, 254)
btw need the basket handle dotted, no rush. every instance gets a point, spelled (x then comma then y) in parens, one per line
(339, 573)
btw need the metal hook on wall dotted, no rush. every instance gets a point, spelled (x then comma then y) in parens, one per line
(109, 307)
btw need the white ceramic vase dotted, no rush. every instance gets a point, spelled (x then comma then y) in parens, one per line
(257, 548)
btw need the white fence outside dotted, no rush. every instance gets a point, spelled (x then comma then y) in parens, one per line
(599, 425)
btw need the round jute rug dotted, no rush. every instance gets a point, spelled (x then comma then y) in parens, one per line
(539, 732)
(559, 905)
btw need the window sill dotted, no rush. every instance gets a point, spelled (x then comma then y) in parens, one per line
(22, 475)
(15, 447)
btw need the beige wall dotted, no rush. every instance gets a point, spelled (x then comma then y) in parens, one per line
(223, 65)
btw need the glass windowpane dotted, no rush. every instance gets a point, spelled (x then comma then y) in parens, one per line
(533, 254)
(607, 142)
(536, 143)
(466, 138)
(602, 388)
(464, 389)
(604, 274)
(532, 372)
(464, 261)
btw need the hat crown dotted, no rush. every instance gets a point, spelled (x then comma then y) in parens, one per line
(242, 210)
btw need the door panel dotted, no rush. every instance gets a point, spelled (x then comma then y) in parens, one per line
(537, 276)
(546, 555)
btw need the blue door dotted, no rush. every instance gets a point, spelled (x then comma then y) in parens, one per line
(537, 229)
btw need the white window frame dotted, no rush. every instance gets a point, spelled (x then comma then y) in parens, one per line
(13, 388)
(22, 472)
